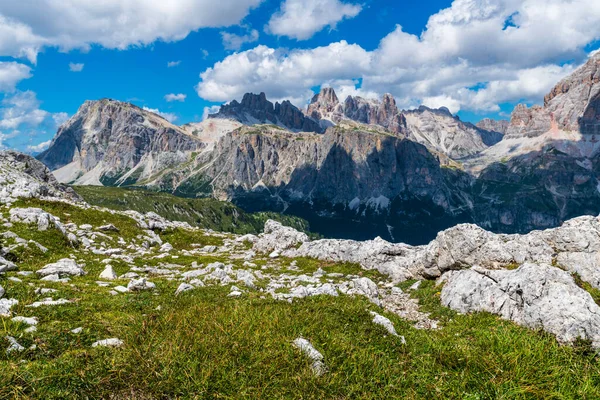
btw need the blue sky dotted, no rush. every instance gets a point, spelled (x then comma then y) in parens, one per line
(477, 57)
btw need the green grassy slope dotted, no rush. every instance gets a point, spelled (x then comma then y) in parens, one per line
(203, 344)
(204, 213)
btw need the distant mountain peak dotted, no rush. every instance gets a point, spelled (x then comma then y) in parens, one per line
(256, 109)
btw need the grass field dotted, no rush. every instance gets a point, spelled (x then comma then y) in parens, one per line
(205, 345)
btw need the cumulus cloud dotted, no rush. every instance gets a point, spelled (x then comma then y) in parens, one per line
(281, 74)
(38, 148)
(301, 19)
(11, 73)
(27, 26)
(232, 41)
(23, 121)
(171, 117)
(172, 64)
(21, 109)
(474, 55)
(175, 97)
(210, 110)
(76, 67)
(60, 118)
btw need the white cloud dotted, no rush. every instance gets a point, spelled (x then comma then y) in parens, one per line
(175, 97)
(210, 110)
(172, 64)
(232, 41)
(171, 117)
(38, 148)
(11, 73)
(474, 55)
(281, 74)
(22, 117)
(28, 26)
(76, 67)
(20, 109)
(301, 19)
(60, 118)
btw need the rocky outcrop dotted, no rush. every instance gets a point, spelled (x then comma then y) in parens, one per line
(440, 131)
(537, 296)
(22, 176)
(326, 108)
(493, 125)
(113, 143)
(256, 109)
(573, 105)
(574, 246)
(492, 130)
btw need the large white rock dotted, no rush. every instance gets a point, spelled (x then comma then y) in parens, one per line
(35, 216)
(537, 296)
(575, 246)
(277, 237)
(63, 267)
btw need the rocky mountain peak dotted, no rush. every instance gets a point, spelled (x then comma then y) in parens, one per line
(109, 138)
(493, 125)
(323, 104)
(573, 105)
(256, 109)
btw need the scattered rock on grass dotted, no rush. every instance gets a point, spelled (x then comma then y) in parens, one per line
(112, 342)
(63, 267)
(318, 365)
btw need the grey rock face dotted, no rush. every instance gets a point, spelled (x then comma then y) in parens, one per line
(572, 105)
(493, 130)
(346, 174)
(535, 295)
(109, 142)
(22, 176)
(326, 108)
(441, 131)
(256, 109)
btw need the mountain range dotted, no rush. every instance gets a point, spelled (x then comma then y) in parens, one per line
(356, 168)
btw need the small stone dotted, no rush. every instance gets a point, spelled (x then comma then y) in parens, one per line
(26, 320)
(108, 273)
(184, 287)
(387, 324)
(6, 305)
(318, 366)
(415, 285)
(140, 284)
(13, 345)
(48, 302)
(112, 342)
(120, 289)
(108, 228)
(77, 330)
